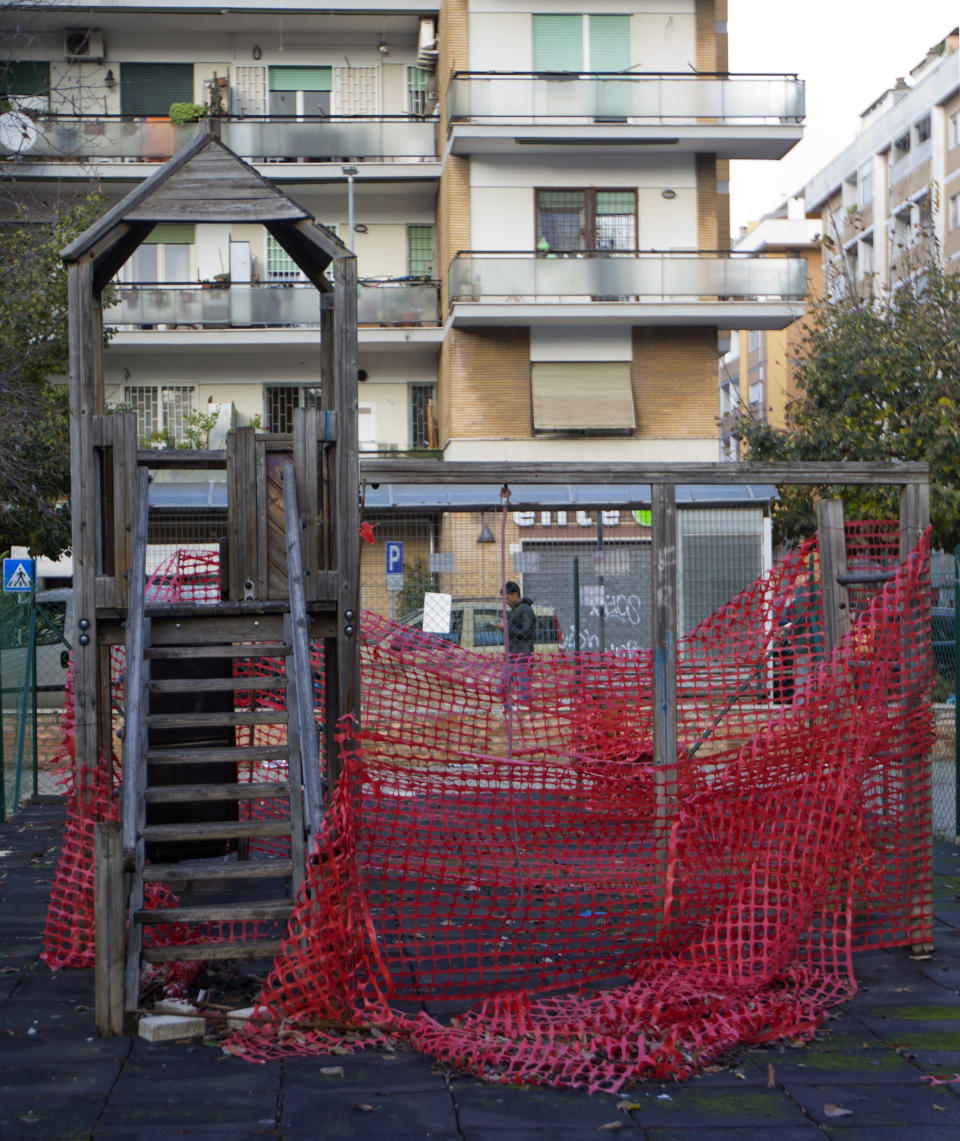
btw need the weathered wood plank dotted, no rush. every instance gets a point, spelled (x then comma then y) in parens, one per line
(239, 754)
(236, 717)
(441, 472)
(252, 650)
(110, 920)
(216, 830)
(211, 629)
(218, 684)
(242, 512)
(217, 870)
(258, 790)
(192, 952)
(137, 675)
(216, 913)
(832, 544)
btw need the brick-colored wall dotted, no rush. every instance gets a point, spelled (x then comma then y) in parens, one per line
(453, 217)
(675, 382)
(452, 41)
(709, 234)
(708, 46)
(485, 384)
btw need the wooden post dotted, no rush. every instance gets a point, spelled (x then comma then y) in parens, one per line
(110, 928)
(835, 599)
(917, 777)
(242, 525)
(664, 520)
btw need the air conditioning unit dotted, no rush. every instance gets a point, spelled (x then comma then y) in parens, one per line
(84, 44)
(427, 44)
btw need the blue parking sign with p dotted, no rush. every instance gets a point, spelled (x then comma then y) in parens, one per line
(394, 557)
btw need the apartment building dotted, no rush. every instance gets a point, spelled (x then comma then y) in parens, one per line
(893, 194)
(536, 193)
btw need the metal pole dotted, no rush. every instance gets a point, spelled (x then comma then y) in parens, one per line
(603, 604)
(576, 602)
(956, 690)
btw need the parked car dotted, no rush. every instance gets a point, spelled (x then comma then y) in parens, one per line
(473, 625)
(54, 624)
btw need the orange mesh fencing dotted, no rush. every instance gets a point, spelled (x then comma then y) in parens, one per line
(506, 878)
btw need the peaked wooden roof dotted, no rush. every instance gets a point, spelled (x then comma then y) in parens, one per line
(204, 182)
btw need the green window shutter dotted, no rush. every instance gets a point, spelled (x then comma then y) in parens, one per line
(557, 43)
(420, 251)
(24, 77)
(172, 234)
(150, 88)
(609, 43)
(301, 78)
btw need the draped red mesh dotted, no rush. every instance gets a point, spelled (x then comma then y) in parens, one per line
(507, 878)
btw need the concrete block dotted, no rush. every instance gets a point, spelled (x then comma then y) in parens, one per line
(169, 1027)
(237, 1019)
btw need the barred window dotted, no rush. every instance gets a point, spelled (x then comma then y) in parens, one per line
(420, 251)
(423, 432)
(417, 91)
(281, 399)
(280, 265)
(162, 410)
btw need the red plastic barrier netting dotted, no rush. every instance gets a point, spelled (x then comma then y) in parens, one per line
(491, 843)
(482, 854)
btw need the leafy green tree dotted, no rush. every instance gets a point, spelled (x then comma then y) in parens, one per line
(34, 425)
(879, 380)
(417, 580)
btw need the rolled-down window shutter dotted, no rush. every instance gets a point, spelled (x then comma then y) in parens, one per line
(586, 396)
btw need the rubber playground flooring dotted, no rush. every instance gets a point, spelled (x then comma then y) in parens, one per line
(879, 1069)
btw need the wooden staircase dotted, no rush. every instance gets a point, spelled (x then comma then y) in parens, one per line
(221, 797)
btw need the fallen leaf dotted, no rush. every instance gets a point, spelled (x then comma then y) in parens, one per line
(364, 1107)
(332, 1071)
(771, 1080)
(627, 1105)
(610, 1127)
(832, 1110)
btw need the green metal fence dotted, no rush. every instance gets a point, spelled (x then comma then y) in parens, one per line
(945, 760)
(34, 657)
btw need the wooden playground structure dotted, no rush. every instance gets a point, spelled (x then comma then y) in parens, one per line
(289, 577)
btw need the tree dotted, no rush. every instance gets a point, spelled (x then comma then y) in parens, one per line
(879, 379)
(34, 426)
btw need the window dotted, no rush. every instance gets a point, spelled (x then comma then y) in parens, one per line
(923, 130)
(901, 148)
(955, 212)
(586, 220)
(728, 399)
(756, 393)
(581, 43)
(162, 411)
(865, 185)
(955, 129)
(754, 340)
(420, 251)
(164, 254)
(423, 417)
(300, 90)
(582, 396)
(281, 399)
(865, 263)
(417, 102)
(150, 88)
(280, 265)
(27, 78)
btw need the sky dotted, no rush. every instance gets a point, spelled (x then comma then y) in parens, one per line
(848, 52)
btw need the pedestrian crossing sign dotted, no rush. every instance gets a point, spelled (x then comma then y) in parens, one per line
(18, 575)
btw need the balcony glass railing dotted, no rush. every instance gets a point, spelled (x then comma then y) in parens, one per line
(667, 99)
(76, 138)
(648, 276)
(267, 305)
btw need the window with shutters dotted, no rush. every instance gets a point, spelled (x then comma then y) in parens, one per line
(150, 88)
(165, 254)
(582, 397)
(417, 103)
(28, 79)
(280, 401)
(162, 410)
(581, 43)
(420, 251)
(300, 90)
(570, 220)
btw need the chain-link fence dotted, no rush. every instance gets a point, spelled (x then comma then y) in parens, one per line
(34, 660)
(944, 759)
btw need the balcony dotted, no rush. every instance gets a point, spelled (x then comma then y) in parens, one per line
(641, 287)
(266, 305)
(108, 139)
(740, 116)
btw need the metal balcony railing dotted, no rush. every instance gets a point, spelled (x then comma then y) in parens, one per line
(645, 276)
(267, 304)
(105, 138)
(664, 98)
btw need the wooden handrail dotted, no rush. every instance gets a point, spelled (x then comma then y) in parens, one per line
(303, 673)
(134, 721)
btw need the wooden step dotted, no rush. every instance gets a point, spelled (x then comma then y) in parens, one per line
(192, 952)
(228, 717)
(264, 909)
(217, 684)
(204, 870)
(212, 629)
(231, 650)
(180, 793)
(218, 830)
(252, 609)
(218, 753)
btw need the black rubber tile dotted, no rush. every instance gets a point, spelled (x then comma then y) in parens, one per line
(745, 1133)
(150, 1107)
(24, 1115)
(481, 1105)
(355, 1113)
(894, 1133)
(903, 1106)
(383, 1073)
(44, 1078)
(690, 1108)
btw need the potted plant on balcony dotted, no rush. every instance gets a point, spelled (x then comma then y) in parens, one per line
(181, 113)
